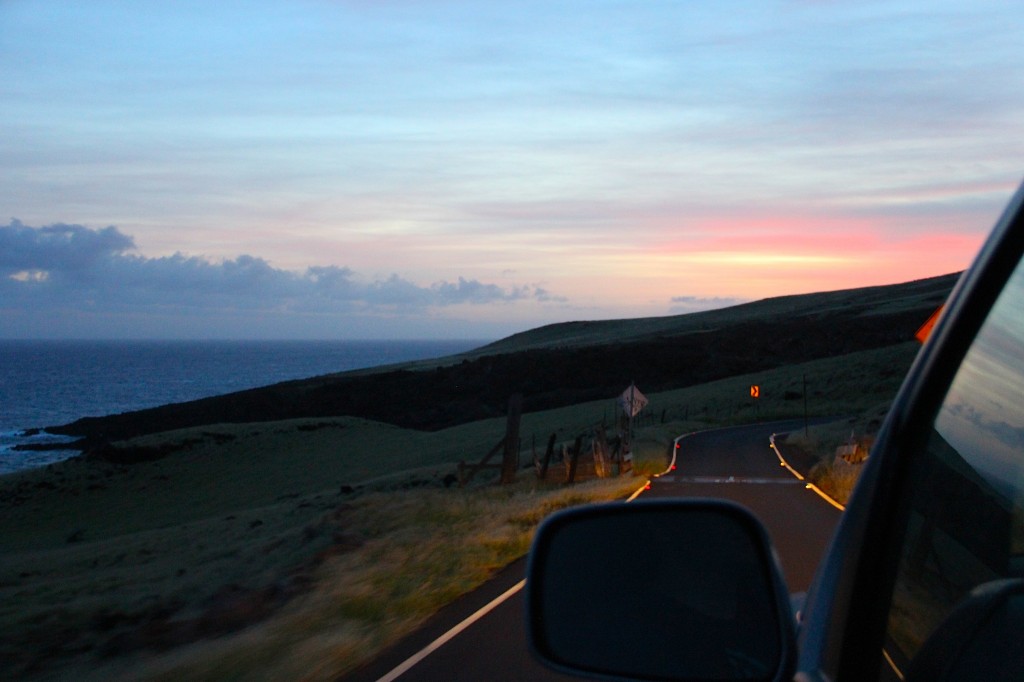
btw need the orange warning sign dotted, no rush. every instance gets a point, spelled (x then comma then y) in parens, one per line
(926, 328)
(755, 391)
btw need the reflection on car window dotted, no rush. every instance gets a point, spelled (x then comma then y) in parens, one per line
(966, 525)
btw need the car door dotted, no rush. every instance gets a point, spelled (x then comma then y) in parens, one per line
(925, 578)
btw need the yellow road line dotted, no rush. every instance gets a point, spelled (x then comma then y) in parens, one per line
(823, 495)
(892, 664)
(827, 498)
(638, 491)
(810, 486)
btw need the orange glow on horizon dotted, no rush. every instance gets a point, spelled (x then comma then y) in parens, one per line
(778, 255)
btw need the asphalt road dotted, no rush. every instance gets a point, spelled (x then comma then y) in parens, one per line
(735, 464)
(738, 465)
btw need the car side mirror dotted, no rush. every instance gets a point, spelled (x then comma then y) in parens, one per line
(662, 590)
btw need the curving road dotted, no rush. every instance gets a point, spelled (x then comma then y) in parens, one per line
(737, 464)
(734, 464)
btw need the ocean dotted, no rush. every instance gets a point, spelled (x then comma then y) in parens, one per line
(49, 383)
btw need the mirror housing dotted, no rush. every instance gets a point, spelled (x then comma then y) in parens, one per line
(661, 590)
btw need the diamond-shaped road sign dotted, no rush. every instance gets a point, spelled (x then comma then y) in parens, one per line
(632, 401)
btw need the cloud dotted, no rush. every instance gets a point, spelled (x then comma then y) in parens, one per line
(465, 291)
(59, 247)
(692, 304)
(79, 268)
(987, 426)
(546, 296)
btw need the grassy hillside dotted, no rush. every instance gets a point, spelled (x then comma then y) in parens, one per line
(594, 360)
(314, 542)
(925, 294)
(295, 547)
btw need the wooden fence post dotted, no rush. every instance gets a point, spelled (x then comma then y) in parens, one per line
(602, 467)
(602, 450)
(574, 458)
(468, 471)
(542, 469)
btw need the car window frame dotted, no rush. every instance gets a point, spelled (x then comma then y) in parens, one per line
(962, 491)
(846, 613)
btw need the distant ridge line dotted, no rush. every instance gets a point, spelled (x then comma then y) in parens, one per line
(567, 364)
(597, 332)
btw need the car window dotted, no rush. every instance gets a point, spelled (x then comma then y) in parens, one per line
(965, 526)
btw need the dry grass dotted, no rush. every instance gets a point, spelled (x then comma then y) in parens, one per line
(836, 480)
(832, 474)
(419, 550)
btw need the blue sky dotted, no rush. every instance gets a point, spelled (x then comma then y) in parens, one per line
(454, 169)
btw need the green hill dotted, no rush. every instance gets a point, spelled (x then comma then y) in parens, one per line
(232, 539)
(914, 297)
(566, 364)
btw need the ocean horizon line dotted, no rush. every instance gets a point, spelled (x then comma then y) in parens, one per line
(53, 381)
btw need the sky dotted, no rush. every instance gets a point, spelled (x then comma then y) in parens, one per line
(440, 169)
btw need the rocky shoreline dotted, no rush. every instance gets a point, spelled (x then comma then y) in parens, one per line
(79, 445)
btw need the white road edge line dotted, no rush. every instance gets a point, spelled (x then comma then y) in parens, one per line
(404, 667)
(443, 639)
(497, 601)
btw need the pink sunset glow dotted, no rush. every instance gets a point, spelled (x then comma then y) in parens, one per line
(473, 170)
